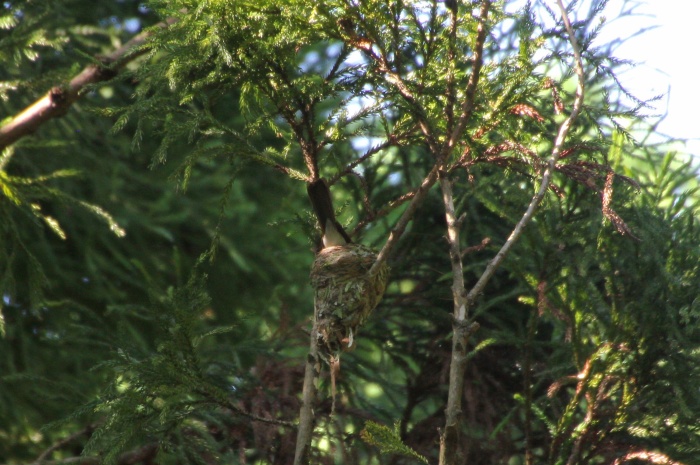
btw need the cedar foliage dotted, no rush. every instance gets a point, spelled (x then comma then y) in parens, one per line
(182, 340)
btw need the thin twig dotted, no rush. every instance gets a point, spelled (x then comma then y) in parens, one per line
(87, 431)
(407, 215)
(450, 88)
(477, 60)
(399, 84)
(547, 175)
(382, 212)
(390, 142)
(214, 395)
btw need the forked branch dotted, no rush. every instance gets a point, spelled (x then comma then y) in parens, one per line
(548, 171)
(461, 329)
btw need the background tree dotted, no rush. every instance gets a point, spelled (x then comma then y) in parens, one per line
(172, 329)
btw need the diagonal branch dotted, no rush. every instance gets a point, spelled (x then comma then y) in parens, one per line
(87, 432)
(59, 99)
(547, 175)
(407, 215)
(394, 78)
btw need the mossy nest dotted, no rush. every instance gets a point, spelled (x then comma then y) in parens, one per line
(345, 293)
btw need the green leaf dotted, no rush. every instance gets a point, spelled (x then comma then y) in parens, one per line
(388, 440)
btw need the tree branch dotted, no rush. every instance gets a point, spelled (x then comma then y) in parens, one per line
(394, 78)
(477, 60)
(546, 176)
(87, 431)
(308, 399)
(449, 439)
(59, 99)
(407, 215)
(461, 329)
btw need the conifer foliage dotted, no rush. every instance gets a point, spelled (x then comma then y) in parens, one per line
(156, 239)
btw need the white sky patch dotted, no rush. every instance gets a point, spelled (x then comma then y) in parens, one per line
(363, 144)
(659, 38)
(666, 61)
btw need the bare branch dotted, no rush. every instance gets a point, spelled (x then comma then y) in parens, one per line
(390, 142)
(407, 215)
(547, 175)
(87, 431)
(390, 206)
(461, 331)
(308, 399)
(59, 99)
(214, 395)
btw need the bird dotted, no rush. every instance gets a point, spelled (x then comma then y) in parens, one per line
(333, 233)
(345, 293)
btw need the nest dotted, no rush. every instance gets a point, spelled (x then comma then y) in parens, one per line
(345, 293)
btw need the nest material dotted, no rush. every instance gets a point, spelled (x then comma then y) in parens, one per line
(345, 293)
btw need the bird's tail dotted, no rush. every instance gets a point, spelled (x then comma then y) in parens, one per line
(322, 204)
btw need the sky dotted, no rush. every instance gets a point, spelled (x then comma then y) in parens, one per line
(659, 37)
(666, 54)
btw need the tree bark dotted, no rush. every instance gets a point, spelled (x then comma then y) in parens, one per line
(308, 399)
(450, 452)
(59, 99)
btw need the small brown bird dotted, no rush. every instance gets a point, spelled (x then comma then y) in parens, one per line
(333, 232)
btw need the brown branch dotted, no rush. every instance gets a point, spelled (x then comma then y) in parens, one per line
(407, 215)
(254, 417)
(87, 431)
(59, 99)
(393, 204)
(546, 176)
(212, 394)
(390, 142)
(450, 443)
(419, 113)
(477, 60)
(450, 88)
(365, 44)
(476, 248)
